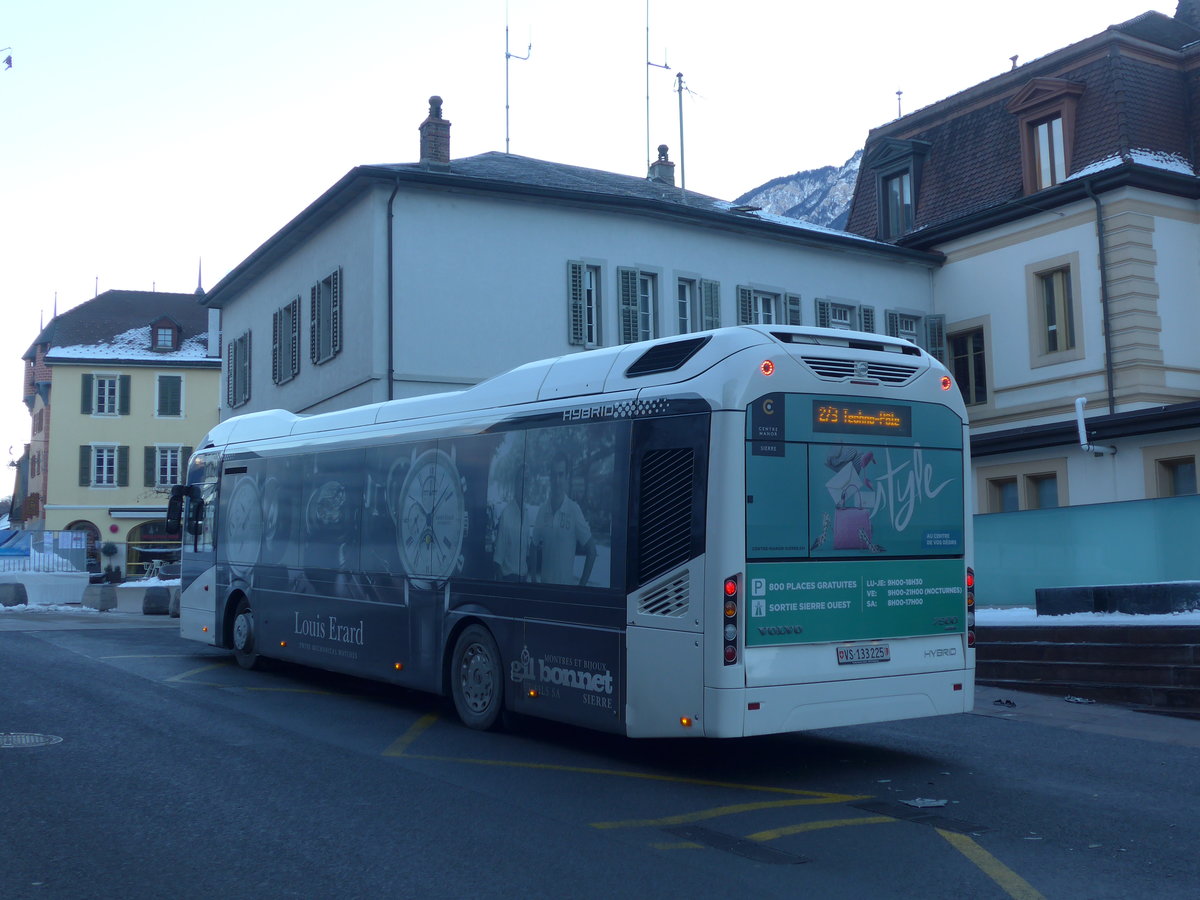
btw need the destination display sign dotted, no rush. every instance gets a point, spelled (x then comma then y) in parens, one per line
(842, 417)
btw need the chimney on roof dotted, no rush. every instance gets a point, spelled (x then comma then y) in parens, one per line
(1188, 12)
(662, 169)
(435, 138)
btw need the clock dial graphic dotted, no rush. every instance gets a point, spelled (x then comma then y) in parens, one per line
(244, 527)
(432, 516)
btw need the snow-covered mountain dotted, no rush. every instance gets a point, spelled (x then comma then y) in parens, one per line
(820, 196)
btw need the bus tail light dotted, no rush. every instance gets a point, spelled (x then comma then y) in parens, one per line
(970, 607)
(730, 626)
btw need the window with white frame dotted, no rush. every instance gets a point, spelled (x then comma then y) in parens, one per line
(639, 304)
(927, 332)
(765, 307)
(697, 305)
(583, 304)
(237, 371)
(845, 316)
(164, 338)
(165, 464)
(103, 465)
(686, 304)
(106, 395)
(285, 342)
(325, 318)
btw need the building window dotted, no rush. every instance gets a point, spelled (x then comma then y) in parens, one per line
(162, 337)
(686, 313)
(1045, 111)
(898, 205)
(1022, 486)
(1054, 310)
(927, 332)
(170, 395)
(968, 365)
(639, 305)
(583, 304)
(164, 465)
(845, 316)
(105, 395)
(103, 465)
(1171, 469)
(763, 307)
(285, 343)
(237, 371)
(325, 318)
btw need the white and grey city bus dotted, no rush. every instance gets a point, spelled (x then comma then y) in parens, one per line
(752, 530)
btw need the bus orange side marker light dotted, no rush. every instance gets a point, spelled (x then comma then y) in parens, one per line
(533, 695)
(946, 382)
(283, 643)
(685, 721)
(399, 667)
(767, 367)
(205, 629)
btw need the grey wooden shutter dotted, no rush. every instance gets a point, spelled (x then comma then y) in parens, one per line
(277, 346)
(823, 313)
(935, 337)
(575, 304)
(123, 388)
(85, 465)
(314, 324)
(710, 305)
(245, 361)
(295, 346)
(866, 318)
(745, 305)
(150, 460)
(335, 312)
(86, 389)
(230, 368)
(893, 323)
(628, 279)
(791, 303)
(123, 466)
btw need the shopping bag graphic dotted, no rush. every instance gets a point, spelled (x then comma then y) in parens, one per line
(851, 522)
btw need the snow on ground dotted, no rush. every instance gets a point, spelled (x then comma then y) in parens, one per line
(1028, 616)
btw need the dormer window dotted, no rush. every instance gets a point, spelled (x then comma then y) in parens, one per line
(1045, 111)
(897, 166)
(164, 334)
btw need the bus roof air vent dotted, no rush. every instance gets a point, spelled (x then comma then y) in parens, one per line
(834, 369)
(666, 357)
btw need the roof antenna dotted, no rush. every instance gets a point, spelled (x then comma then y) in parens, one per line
(665, 65)
(1013, 59)
(200, 277)
(899, 113)
(507, 57)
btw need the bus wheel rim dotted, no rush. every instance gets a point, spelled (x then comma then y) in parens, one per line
(478, 678)
(243, 632)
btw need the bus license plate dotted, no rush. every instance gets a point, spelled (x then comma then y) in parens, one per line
(863, 653)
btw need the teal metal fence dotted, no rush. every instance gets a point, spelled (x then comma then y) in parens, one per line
(1134, 542)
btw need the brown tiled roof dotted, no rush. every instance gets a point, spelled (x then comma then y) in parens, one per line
(1133, 97)
(99, 320)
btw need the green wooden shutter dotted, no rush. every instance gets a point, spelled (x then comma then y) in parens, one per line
(276, 345)
(710, 305)
(335, 312)
(823, 313)
(230, 368)
(314, 324)
(791, 303)
(745, 305)
(123, 466)
(575, 304)
(123, 388)
(935, 337)
(893, 323)
(85, 465)
(866, 318)
(86, 392)
(170, 395)
(628, 279)
(151, 463)
(295, 346)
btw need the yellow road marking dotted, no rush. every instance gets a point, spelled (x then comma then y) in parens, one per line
(774, 833)
(1008, 880)
(815, 796)
(403, 742)
(680, 845)
(150, 656)
(719, 811)
(190, 673)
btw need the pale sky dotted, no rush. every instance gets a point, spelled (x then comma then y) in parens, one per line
(141, 137)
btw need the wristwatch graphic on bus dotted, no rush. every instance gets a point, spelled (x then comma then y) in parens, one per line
(432, 516)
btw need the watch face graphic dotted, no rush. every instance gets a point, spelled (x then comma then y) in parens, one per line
(244, 527)
(432, 516)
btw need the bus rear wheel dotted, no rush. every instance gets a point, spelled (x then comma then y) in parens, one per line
(243, 636)
(476, 678)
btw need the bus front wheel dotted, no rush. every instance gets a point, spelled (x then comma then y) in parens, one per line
(476, 678)
(243, 636)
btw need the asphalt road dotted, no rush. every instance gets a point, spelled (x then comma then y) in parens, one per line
(179, 775)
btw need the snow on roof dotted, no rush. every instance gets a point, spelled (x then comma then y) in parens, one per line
(1156, 159)
(798, 224)
(133, 344)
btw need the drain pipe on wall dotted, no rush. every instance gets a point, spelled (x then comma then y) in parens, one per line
(1100, 239)
(391, 299)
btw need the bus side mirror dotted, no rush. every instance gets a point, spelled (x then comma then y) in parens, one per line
(175, 509)
(195, 522)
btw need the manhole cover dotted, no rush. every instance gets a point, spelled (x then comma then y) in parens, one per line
(9, 741)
